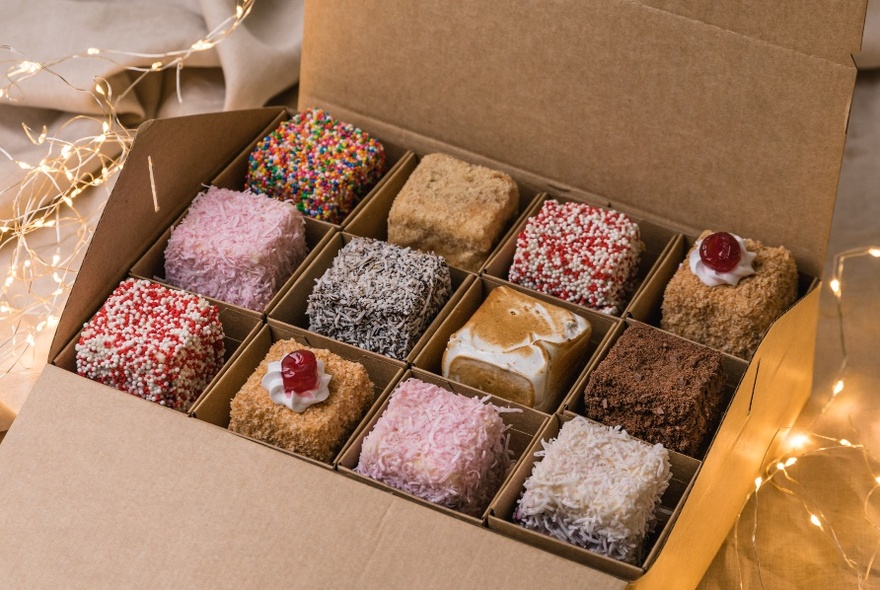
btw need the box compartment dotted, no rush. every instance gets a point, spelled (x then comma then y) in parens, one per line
(500, 516)
(214, 405)
(430, 358)
(524, 426)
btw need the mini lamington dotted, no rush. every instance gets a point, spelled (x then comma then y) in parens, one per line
(238, 247)
(596, 487)
(322, 165)
(157, 343)
(455, 209)
(579, 253)
(379, 297)
(660, 388)
(446, 448)
(302, 399)
(519, 348)
(728, 292)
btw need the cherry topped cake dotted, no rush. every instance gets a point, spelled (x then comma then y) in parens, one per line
(728, 292)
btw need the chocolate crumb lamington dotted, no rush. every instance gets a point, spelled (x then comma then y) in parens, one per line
(379, 296)
(660, 388)
(239, 247)
(596, 487)
(157, 343)
(728, 292)
(322, 165)
(579, 253)
(452, 208)
(302, 399)
(446, 448)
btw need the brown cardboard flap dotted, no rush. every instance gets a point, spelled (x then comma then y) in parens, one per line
(673, 119)
(183, 153)
(787, 23)
(131, 494)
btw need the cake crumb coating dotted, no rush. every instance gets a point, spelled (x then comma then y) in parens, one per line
(320, 431)
(732, 319)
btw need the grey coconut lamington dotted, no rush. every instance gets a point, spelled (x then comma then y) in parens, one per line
(379, 297)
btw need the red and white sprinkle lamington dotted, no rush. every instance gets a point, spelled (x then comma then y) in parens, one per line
(322, 165)
(579, 253)
(238, 247)
(440, 446)
(157, 343)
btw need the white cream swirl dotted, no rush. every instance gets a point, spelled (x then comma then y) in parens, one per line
(713, 278)
(273, 382)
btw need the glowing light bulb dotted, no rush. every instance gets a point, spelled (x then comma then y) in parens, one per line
(815, 520)
(835, 286)
(759, 481)
(791, 461)
(875, 252)
(838, 387)
(93, 51)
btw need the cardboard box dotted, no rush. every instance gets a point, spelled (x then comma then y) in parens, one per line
(686, 115)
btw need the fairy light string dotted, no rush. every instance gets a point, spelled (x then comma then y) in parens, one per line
(35, 286)
(800, 446)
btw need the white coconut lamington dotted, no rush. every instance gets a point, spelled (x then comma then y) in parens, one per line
(596, 487)
(239, 247)
(583, 254)
(160, 344)
(446, 448)
(378, 296)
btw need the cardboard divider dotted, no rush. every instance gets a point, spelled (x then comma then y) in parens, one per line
(214, 406)
(233, 175)
(372, 220)
(430, 358)
(646, 307)
(239, 327)
(657, 240)
(734, 371)
(151, 265)
(500, 514)
(523, 425)
(291, 309)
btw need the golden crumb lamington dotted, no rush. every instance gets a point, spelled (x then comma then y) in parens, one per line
(454, 209)
(161, 344)
(302, 399)
(518, 348)
(728, 292)
(596, 487)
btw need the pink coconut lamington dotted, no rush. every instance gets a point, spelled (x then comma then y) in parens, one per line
(238, 247)
(160, 344)
(583, 254)
(443, 447)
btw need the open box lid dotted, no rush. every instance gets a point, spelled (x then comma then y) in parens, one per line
(727, 115)
(165, 167)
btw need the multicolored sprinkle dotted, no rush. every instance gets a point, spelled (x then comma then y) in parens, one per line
(323, 165)
(579, 253)
(157, 343)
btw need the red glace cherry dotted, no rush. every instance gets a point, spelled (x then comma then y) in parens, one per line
(299, 371)
(720, 252)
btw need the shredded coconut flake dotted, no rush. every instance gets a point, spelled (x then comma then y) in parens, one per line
(379, 296)
(239, 247)
(596, 487)
(446, 448)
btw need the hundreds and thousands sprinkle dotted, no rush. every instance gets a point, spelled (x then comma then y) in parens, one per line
(324, 166)
(157, 343)
(579, 253)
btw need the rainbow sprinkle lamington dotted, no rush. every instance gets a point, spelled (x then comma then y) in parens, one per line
(323, 165)
(154, 342)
